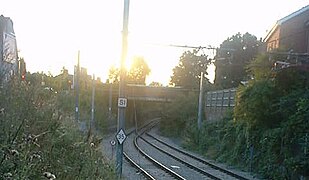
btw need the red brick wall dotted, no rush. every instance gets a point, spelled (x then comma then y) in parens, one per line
(294, 33)
(273, 41)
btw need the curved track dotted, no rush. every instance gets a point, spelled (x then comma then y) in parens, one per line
(148, 166)
(197, 158)
(156, 159)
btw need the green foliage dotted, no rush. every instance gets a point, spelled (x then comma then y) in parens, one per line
(255, 104)
(138, 72)
(291, 79)
(179, 114)
(38, 139)
(260, 68)
(187, 73)
(101, 107)
(85, 102)
(155, 84)
(114, 75)
(233, 56)
(272, 118)
(267, 132)
(65, 101)
(223, 140)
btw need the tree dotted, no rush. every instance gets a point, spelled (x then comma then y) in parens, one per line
(138, 71)
(62, 80)
(260, 68)
(232, 57)
(156, 84)
(136, 75)
(114, 75)
(187, 73)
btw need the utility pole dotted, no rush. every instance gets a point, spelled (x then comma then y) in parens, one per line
(110, 101)
(92, 104)
(200, 104)
(122, 101)
(77, 89)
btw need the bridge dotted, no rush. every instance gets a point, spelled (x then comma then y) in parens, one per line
(148, 93)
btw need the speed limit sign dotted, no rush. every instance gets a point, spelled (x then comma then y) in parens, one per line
(121, 136)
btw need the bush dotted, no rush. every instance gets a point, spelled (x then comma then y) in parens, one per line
(268, 129)
(179, 114)
(37, 139)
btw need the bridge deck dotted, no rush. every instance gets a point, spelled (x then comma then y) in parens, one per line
(149, 93)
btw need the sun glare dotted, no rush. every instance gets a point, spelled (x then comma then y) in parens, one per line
(56, 37)
(128, 64)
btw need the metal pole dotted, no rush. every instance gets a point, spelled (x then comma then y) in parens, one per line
(110, 101)
(92, 104)
(77, 89)
(121, 110)
(200, 104)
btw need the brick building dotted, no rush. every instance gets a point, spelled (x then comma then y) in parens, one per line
(290, 33)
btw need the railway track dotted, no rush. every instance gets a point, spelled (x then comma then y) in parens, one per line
(201, 165)
(207, 163)
(148, 166)
(157, 159)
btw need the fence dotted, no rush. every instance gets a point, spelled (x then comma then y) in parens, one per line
(218, 103)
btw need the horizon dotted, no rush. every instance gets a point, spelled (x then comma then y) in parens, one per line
(95, 29)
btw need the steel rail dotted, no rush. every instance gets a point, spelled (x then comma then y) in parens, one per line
(144, 128)
(199, 159)
(157, 163)
(182, 161)
(131, 161)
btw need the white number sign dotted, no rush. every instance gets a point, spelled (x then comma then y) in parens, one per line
(122, 102)
(121, 136)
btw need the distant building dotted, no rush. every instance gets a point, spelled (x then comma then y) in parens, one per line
(84, 78)
(290, 33)
(22, 70)
(83, 72)
(64, 80)
(8, 49)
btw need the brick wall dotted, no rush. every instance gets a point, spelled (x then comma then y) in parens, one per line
(294, 33)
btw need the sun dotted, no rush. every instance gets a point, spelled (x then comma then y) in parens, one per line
(128, 63)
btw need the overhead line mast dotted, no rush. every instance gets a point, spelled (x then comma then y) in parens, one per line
(121, 99)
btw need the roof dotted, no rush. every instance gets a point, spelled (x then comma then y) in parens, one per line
(273, 29)
(286, 18)
(296, 13)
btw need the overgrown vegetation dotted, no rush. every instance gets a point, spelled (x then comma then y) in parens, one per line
(179, 115)
(39, 138)
(266, 133)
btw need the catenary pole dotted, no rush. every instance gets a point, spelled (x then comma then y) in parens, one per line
(121, 110)
(77, 73)
(92, 104)
(110, 101)
(200, 103)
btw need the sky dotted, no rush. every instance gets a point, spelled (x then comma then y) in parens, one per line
(49, 33)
